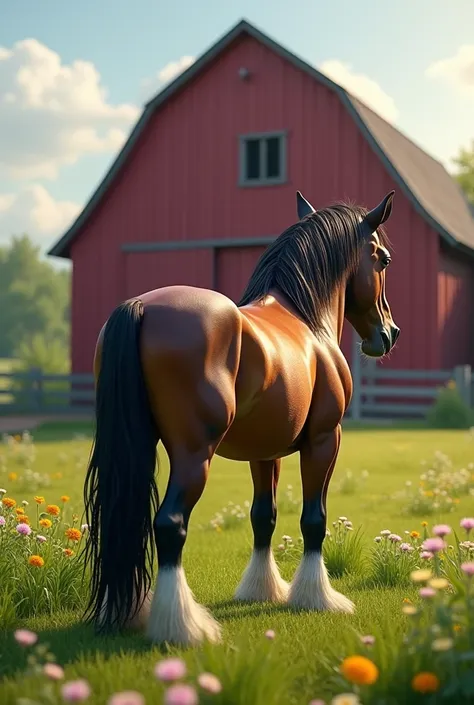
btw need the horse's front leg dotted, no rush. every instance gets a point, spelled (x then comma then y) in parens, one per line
(261, 581)
(311, 589)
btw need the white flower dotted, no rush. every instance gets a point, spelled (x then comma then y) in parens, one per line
(385, 532)
(377, 539)
(25, 503)
(2, 491)
(343, 519)
(346, 699)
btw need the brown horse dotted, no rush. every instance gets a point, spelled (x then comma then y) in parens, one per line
(253, 382)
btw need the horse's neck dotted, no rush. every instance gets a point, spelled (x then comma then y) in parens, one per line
(335, 319)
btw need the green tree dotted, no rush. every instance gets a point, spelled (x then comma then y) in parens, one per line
(465, 171)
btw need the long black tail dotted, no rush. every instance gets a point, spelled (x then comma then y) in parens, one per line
(120, 491)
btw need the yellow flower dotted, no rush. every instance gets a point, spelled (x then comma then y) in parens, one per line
(45, 523)
(65, 498)
(360, 670)
(420, 576)
(346, 699)
(17, 438)
(8, 502)
(405, 599)
(19, 510)
(415, 534)
(424, 523)
(425, 682)
(53, 510)
(428, 493)
(457, 627)
(409, 609)
(12, 476)
(68, 552)
(36, 561)
(39, 499)
(456, 500)
(73, 534)
(438, 583)
(451, 384)
(23, 519)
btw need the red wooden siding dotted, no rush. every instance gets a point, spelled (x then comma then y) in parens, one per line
(455, 310)
(180, 183)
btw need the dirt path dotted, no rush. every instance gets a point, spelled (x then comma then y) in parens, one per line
(8, 424)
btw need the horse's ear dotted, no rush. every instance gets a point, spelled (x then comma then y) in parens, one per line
(303, 207)
(380, 213)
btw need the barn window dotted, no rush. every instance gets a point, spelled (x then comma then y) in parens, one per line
(262, 159)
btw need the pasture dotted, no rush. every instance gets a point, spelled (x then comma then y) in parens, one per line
(376, 486)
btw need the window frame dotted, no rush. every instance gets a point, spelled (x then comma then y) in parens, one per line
(262, 137)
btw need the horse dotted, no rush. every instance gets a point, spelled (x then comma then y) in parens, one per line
(254, 381)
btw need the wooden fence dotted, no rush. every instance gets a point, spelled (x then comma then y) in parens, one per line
(378, 392)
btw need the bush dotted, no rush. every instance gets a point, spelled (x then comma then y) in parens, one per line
(449, 410)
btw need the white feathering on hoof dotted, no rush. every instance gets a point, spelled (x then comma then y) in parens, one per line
(311, 589)
(139, 620)
(175, 615)
(261, 581)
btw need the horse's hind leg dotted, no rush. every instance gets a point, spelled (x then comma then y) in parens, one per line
(262, 581)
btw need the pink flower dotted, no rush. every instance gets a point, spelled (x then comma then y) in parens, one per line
(171, 669)
(426, 555)
(394, 538)
(467, 523)
(2, 521)
(318, 701)
(181, 695)
(25, 638)
(53, 671)
(41, 538)
(368, 640)
(434, 545)
(427, 592)
(468, 568)
(406, 547)
(24, 529)
(127, 697)
(210, 683)
(441, 530)
(76, 691)
(270, 634)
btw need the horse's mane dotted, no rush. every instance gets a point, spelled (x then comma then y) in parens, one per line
(309, 259)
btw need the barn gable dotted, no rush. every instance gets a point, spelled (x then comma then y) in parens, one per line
(435, 196)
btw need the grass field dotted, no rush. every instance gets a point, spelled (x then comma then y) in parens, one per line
(290, 669)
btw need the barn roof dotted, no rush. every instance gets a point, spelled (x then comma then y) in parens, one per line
(433, 192)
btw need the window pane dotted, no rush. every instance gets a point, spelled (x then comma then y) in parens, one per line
(252, 159)
(273, 158)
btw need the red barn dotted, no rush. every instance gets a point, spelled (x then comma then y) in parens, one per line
(208, 178)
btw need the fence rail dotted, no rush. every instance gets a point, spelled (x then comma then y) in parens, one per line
(377, 391)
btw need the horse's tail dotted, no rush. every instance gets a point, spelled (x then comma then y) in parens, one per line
(120, 491)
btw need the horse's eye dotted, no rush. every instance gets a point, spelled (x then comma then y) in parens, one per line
(385, 260)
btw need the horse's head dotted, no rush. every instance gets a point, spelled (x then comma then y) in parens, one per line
(366, 305)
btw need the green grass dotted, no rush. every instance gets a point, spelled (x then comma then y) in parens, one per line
(214, 563)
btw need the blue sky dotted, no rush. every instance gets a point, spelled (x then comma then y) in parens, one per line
(59, 141)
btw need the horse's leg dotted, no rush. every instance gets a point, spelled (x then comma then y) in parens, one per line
(262, 580)
(311, 588)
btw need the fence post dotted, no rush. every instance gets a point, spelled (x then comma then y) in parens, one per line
(355, 407)
(36, 388)
(462, 378)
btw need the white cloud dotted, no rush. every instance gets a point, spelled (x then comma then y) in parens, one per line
(362, 87)
(457, 69)
(34, 211)
(52, 113)
(150, 86)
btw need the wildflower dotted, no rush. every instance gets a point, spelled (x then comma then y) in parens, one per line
(468, 568)
(2, 521)
(424, 524)
(2, 491)
(343, 519)
(318, 701)
(25, 503)
(209, 683)
(39, 499)
(346, 699)
(36, 561)
(127, 697)
(427, 592)
(85, 527)
(23, 519)
(68, 552)
(442, 644)
(73, 534)
(25, 637)
(286, 538)
(181, 695)
(368, 640)
(12, 476)
(53, 510)
(8, 502)
(456, 627)
(409, 610)
(281, 546)
(467, 523)
(171, 669)
(415, 534)
(53, 671)
(377, 539)
(41, 538)
(434, 544)
(76, 691)
(45, 523)
(405, 547)
(23, 529)
(385, 532)
(438, 583)
(420, 576)
(19, 510)
(359, 670)
(426, 555)
(441, 530)
(65, 498)
(425, 682)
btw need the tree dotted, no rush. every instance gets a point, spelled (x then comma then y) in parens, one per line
(465, 171)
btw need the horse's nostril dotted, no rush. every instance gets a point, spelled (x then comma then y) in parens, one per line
(395, 334)
(385, 339)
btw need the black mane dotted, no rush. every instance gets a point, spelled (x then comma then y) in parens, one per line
(308, 260)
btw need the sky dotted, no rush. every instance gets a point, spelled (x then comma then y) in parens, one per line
(74, 78)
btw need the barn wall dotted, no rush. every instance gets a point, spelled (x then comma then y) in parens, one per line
(180, 183)
(455, 309)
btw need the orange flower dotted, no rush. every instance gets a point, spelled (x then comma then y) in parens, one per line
(9, 502)
(36, 561)
(19, 510)
(456, 627)
(425, 682)
(12, 476)
(424, 523)
(39, 499)
(359, 670)
(415, 534)
(23, 519)
(68, 552)
(73, 534)
(53, 510)
(45, 523)
(65, 498)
